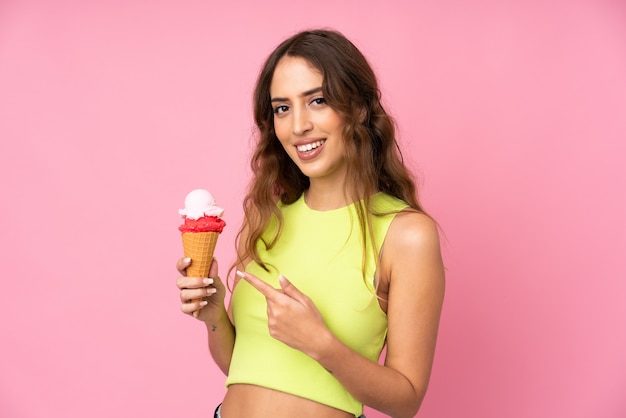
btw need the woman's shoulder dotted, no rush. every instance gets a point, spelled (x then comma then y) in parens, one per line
(414, 231)
(412, 259)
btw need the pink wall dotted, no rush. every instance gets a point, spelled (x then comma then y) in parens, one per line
(110, 111)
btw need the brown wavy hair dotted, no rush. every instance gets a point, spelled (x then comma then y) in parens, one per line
(374, 160)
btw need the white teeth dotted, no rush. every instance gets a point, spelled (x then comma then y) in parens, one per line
(309, 147)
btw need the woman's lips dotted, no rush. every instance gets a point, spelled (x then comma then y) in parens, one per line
(310, 150)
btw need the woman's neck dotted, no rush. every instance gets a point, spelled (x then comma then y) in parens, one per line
(323, 196)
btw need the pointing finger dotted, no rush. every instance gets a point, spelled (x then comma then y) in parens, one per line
(266, 290)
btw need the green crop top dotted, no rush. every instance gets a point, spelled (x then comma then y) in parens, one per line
(321, 254)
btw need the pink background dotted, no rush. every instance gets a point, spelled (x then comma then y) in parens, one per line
(513, 113)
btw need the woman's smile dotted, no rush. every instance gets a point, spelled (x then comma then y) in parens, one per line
(310, 150)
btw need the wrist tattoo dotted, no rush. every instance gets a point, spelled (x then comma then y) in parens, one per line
(213, 328)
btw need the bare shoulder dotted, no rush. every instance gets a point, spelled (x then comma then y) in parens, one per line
(412, 230)
(412, 249)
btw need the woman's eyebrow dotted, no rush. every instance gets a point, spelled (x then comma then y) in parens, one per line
(306, 93)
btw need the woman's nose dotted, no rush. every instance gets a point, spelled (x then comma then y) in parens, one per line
(301, 122)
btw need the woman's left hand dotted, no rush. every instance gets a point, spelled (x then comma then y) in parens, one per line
(292, 316)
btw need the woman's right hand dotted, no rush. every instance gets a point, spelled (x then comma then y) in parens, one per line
(201, 297)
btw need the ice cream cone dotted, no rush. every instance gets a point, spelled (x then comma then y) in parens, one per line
(202, 225)
(199, 246)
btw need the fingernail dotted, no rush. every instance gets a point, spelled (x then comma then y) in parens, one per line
(203, 303)
(211, 291)
(241, 274)
(208, 281)
(187, 259)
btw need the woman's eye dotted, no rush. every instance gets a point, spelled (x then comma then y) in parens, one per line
(318, 101)
(280, 109)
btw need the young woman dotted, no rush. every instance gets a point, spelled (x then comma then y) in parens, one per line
(336, 256)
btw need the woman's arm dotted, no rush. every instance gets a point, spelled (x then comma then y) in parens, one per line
(212, 310)
(221, 338)
(412, 265)
(204, 299)
(222, 333)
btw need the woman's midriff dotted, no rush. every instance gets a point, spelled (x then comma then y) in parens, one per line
(249, 401)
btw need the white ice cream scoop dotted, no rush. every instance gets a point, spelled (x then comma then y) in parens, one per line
(199, 203)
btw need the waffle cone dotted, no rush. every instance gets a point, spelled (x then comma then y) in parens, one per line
(199, 246)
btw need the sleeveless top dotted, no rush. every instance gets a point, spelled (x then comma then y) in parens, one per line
(320, 253)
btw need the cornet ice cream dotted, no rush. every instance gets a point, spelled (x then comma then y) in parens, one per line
(201, 227)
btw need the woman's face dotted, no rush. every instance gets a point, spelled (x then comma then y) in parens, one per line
(310, 131)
